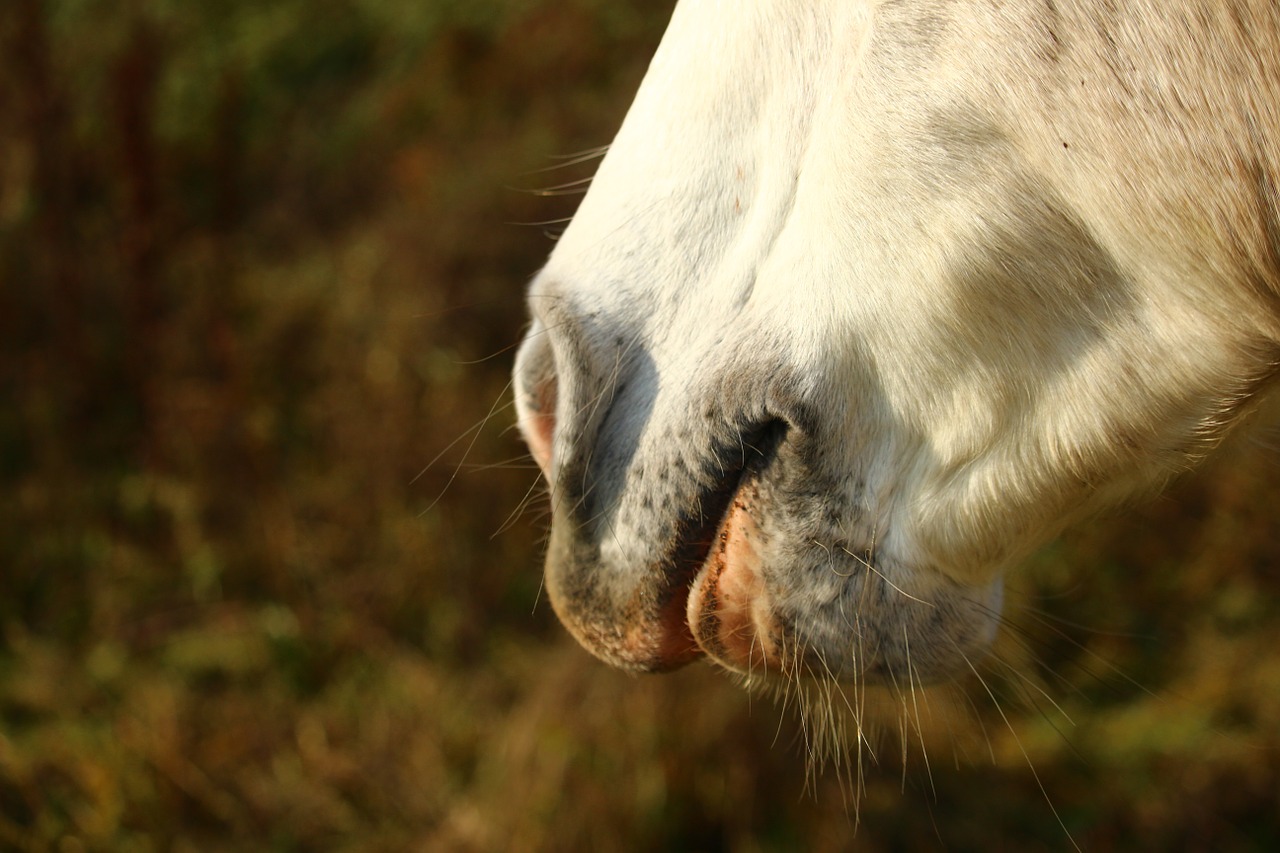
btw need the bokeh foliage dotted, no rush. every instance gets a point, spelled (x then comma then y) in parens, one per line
(257, 271)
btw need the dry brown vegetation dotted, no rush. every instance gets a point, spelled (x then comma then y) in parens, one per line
(257, 270)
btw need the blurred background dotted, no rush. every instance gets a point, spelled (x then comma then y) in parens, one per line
(270, 550)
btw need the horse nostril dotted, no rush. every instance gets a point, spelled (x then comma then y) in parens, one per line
(536, 393)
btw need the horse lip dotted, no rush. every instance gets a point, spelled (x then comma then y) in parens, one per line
(698, 533)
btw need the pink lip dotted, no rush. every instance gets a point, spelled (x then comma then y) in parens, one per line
(728, 611)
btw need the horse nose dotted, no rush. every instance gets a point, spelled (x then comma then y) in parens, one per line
(535, 392)
(565, 372)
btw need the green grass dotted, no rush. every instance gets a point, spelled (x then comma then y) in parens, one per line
(256, 272)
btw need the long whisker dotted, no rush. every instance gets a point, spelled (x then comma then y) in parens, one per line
(1112, 668)
(523, 504)
(570, 160)
(911, 681)
(881, 575)
(474, 428)
(575, 187)
(1030, 764)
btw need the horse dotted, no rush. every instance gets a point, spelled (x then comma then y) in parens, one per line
(869, 299)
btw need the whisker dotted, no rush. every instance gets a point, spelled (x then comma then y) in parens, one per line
(1017, 740)
(515, 463)
(574, 187)
(867, 563)
(490, 357)
(543, 223)
(478, 425)
(1067, 623)
(1095, 656)
(515, 514)
(570, 160)
(475, 430)
(911, 681)
(537, 596)
(1029, 700)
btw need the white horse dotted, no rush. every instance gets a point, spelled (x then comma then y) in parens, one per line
(868, 299)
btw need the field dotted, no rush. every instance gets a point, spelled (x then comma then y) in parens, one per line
(270, 548)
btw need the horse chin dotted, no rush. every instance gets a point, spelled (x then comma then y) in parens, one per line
(757, 615)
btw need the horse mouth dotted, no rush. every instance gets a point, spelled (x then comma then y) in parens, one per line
(731, 576)
(700, 548)
(644, 624)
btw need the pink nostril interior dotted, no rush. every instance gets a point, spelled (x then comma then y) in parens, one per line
(538, 423)
(536, 394)
(540, 435)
